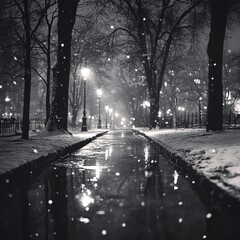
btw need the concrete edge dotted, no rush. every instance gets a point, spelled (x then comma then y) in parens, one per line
(209, 191)
(27, 170)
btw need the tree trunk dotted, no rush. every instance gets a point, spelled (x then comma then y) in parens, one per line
(154, 108)
(219, 12)
(27, 74)
(59, 107)
(48, 76)
(74, 117)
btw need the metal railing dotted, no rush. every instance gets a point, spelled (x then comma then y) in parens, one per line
(193, 120)
(9, 125)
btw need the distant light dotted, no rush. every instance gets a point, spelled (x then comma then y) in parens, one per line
(197, 81)
(7, 99)
(106, 108)
(86, 200)
(99, 92)
(168, 111)
(85, 72)
(84, 220)
(146, 104)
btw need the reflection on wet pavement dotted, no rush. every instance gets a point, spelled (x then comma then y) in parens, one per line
(118, 187)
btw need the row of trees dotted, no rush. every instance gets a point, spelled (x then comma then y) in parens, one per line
(157, 33)
(147, 39)
(36, 44)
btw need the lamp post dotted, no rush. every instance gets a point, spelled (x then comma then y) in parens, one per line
(110, 110)
(200, 111)
(99, 93)
(146, 104)
(85, 73)
(106, 108)
(114, 122)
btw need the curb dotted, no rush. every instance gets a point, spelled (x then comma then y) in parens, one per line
(29, 169)
(210, 193)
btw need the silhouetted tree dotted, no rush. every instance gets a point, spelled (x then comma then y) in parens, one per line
(152, 26)
(59, 106)
(219, 13)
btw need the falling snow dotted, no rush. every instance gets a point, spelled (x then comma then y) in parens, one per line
(209, 215)
(104, 232)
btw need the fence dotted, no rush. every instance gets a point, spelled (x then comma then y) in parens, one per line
(232, 120)
(196, 120)
(9, 125)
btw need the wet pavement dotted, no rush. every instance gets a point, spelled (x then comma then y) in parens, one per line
(119, 187)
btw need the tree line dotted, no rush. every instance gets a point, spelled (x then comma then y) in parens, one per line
(147, 38)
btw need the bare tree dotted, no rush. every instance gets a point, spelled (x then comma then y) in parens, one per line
(152, 26)
(25, 11)
(44, 42)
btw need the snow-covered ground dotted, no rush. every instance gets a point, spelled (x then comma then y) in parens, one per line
(15, 151)
(215, 154)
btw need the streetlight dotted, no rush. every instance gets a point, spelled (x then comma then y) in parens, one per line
(110, 110)
(85, 74)
(116, 116)
(181, 109)
(146, 104)
(99, 93)
(200, 111)
(106, 108)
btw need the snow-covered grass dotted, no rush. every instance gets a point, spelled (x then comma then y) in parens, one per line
(213, 154)
(15, 151)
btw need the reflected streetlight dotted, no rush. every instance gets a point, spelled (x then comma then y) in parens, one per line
(85, 72)
(99, 93)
